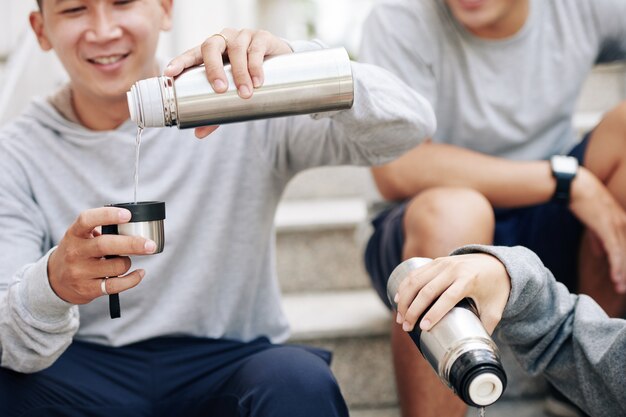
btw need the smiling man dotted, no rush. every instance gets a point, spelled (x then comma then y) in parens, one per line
(505, 166)
(202, 334)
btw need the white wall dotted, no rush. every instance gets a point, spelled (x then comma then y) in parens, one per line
(13, 22)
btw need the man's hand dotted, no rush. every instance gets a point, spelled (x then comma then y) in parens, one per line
(77, 266)
(245, 49)
(598, 210)
(448, 280)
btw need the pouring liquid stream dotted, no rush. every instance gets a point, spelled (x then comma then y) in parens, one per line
(137, 147)
(481, 411)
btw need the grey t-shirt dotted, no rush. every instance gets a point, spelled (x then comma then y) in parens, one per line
(513, 97)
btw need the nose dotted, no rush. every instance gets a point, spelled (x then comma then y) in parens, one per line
(104, 27)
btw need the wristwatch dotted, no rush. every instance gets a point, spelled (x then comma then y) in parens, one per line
(564, 169)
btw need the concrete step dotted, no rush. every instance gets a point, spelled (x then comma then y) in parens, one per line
(355, 326)
(330, 182)
(317, 247)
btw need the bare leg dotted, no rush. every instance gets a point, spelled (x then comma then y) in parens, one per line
(595, 281)
(436, 222)
(606, 158)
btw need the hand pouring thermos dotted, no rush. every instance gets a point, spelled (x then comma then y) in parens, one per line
(458, 347)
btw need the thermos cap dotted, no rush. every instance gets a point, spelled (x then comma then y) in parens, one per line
(145, 103)
(485, 389)
(144, 211)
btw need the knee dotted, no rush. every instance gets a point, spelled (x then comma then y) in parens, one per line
(616, 118)
(620, 111)
(299, 371)
(446, 210)
(293, 381)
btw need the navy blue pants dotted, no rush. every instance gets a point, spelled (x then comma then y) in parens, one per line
(169, 377)
(550, 230)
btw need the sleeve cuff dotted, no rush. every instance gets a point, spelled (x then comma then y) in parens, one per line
(37, 295)
(529, 277)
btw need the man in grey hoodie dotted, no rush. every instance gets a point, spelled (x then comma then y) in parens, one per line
(201, 335)
(567, 338)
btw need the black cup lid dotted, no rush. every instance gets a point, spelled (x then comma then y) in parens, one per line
(144, 211)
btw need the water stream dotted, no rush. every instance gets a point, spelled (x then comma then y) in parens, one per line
(137, 146)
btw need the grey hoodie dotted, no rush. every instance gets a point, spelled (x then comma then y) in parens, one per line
(567, 338)
(216, 277)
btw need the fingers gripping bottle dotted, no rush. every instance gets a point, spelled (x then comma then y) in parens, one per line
(298, 83)
(458, 347)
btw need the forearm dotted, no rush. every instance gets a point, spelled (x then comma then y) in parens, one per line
(567, 338)
(388, 118)
(503, 182)
(35, 325)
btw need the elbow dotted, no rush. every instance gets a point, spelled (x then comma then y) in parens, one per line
(430, 121)
(26, 365)
(386, 184)
(424, 121)
(30, 361)
(30, 369)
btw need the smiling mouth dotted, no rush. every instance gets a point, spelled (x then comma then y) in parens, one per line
(108, 60)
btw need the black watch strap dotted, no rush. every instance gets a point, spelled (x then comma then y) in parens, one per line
(564, 169)
(562, 191)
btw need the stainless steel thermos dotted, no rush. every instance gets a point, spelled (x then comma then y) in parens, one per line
(458, 347)
(146, 221)
(298, 83)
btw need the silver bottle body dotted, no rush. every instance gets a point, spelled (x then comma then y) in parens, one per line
(458, 332)
(298, 83)
(457, 336)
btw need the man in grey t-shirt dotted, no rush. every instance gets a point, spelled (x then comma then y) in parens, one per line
(503, 77)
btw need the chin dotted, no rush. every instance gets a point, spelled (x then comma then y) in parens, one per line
(114, 88)
(111, 92)
(475, 21)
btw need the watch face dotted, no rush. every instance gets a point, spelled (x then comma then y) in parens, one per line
(564, 165)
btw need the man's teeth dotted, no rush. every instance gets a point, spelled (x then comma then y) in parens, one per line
(107, 60)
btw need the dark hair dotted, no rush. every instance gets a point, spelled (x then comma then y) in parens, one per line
(39, 3)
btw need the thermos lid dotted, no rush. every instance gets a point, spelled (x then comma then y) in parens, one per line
(145, 103)
(478, 377)
(485, 389)
(144, 211)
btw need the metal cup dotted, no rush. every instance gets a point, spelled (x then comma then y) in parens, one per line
(146, 221)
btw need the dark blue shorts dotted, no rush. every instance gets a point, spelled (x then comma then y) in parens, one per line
(171, 377)
(549, 229)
